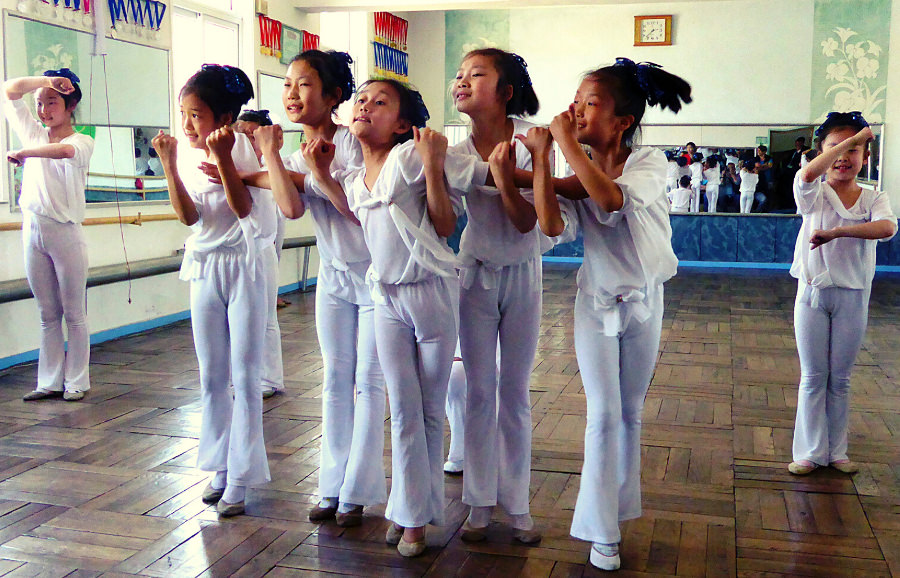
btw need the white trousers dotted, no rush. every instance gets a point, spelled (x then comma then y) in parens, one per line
(498, 411)
(456, 410)
(416, 333)
(273, 367)
(228, 316)
(353, 398)
(56, 266)
(747, 201)
(616, 373)
(828, 338)
(695, 199)
(712, 198)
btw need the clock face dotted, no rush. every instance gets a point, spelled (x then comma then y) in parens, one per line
(653, 30)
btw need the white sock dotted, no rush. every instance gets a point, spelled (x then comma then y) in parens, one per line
(328, 503)
(522, 521)
(345, 507)
(480, 516)
(234, 494)
(218, 480)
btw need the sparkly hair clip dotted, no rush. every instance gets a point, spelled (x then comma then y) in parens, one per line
(420, 111)
(232, 77)
(524, 77)
(644, 78)
(65, 73)
(852, 119)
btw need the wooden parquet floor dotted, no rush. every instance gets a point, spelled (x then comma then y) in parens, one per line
(108, 487)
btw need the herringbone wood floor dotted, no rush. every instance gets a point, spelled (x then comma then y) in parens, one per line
(108, 486)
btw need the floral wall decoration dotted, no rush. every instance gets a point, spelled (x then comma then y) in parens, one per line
(850, 57)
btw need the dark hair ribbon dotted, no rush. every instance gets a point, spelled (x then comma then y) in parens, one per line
(419, 109)
(852, 119)
(524, 77)
(644, 78)
(63, 72)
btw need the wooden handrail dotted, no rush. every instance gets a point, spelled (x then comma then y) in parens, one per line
(138, 220)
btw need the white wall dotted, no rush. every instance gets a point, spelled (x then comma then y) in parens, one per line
(425, 43)
(890, 160)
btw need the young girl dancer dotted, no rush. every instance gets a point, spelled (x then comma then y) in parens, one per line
(749, 180)
(834, 262)
(272, 380)
(713, 175)
(56, 160)
(500, 297)
(351, 474)
(228, 260)
(628, 256)
(401, 198)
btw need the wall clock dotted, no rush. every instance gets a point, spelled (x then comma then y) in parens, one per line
(653, 30)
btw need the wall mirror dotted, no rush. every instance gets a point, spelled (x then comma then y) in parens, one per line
(123, 166)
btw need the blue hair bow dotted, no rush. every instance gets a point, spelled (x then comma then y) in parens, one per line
(64, 73)
(419, 109)
(232, 77)
(525, 79)
(644, 79)
(852, 119)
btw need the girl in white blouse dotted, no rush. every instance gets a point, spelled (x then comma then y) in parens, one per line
(227, 260)
(407, 211)
(55, 160)
(624, 219)
(834, 263)
(500, 297)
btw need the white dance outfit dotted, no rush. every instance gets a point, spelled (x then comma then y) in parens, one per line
(713, 178)
(456, 414)
(353, 396)
(500, 300)
(415, 288)
(618, 321)
(680, 199)
(696, 180)
(748, 189)
(229, 262)
(830, 314)
(273, 365)
(56, 264)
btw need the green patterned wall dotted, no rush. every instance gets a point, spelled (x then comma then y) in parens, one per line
(850, 57)
(467, 30)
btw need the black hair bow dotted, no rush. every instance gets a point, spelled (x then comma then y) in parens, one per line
(64, 73)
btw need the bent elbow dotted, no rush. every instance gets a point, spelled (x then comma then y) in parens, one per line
(446, 228)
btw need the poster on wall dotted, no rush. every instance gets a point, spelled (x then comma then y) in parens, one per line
(291, 43)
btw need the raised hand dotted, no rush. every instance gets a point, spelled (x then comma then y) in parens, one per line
(15, 157)
(502, 161)
(318, 154)
(269, 139)
(61, 84)
(220, 141)
(538, 140)
(864, 136)
(431, 145)
(563, 124)
(211, 170)
(165, 146)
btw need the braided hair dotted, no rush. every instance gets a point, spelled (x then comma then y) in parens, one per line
(334, 71)
(513, 72)
(224, 89)
(634, 86)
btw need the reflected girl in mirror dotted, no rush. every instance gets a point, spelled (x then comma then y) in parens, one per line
(56, 160)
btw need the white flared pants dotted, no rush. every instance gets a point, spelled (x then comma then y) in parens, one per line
(498, 411)
(829, 336)
(616, 373)
(56, 266)
(416, 333)
(228, 316)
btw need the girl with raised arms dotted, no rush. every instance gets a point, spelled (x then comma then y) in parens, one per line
(834, 263)
(228, 259)
(624, 220)
(406, 210)
(351, 474)
(500, 297)
(55, 160)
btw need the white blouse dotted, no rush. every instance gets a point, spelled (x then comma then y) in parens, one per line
(748, 182)
(51, 188)
(401, 238)
(218, 227)
(339, 240)
(627, 252)
(846, 262)
(680, 199)
(713, 176)
(490, 240)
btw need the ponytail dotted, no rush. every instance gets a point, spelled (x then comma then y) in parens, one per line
(634, 86)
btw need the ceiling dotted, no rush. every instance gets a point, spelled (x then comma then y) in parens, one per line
(412, 5)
